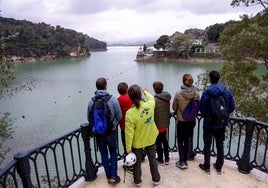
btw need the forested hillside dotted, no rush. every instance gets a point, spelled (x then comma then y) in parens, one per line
(23, 39)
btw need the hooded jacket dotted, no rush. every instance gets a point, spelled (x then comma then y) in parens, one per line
(162, 109)
(125, 103)
(116, 113)
(205, 104)
(141, 130)
(182, 98)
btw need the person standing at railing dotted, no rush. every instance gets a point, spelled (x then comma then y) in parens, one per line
(185, 128)
(212, 128)
(125, 103)
(162, 120)
(141, 132)
(108, 143)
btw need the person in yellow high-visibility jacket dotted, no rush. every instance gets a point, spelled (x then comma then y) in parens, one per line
(141, 132)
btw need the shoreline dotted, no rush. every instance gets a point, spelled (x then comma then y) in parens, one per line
(21, 60)
(180, 59)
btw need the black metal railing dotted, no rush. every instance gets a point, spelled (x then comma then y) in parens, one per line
(58, 163)
(61, 162)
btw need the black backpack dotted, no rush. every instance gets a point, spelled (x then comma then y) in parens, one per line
(219, 109)
(100, 123)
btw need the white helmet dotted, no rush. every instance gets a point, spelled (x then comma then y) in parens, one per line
(130, 159)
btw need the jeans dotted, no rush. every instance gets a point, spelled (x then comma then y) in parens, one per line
(219, 135)
(150, 151)
(184, 133)
(162, 139)
(108, 144)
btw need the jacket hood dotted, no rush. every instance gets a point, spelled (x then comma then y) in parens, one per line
(215, 89)
(188, 92)
(164, 96)
(101, 93)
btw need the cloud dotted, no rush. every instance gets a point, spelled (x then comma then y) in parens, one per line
(121, 20)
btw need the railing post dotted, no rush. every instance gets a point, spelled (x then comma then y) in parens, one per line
(91, 170)
(244, 165)
(24, 169)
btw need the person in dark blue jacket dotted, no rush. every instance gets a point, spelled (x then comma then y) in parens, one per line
(211, 129)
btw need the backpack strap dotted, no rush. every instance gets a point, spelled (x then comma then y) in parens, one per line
(225, 94)
(225, 98)
(107, 97)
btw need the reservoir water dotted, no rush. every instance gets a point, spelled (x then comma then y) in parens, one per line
(58, 101)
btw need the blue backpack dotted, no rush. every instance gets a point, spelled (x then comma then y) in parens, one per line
(99, 114)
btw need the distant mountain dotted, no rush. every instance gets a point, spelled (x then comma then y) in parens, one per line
(149, 41)
(21, 39)
(127, 43)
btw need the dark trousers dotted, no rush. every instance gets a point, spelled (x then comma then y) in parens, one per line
(150, 151)
(162, 140)
(219, 135)
(123, 138)
(192, 153)
(184, 133)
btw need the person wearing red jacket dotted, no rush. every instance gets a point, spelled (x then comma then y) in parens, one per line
(125, 103)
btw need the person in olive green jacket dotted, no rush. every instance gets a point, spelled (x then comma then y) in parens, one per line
(141, 132)
(162, 120)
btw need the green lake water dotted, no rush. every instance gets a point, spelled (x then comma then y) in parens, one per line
(58, 101)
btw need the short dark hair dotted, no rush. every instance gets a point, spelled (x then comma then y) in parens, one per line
(214, 76)
(101, 83)
(158, 87)
(122, 88)
(134, 93)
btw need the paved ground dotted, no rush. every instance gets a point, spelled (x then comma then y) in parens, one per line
(193, 177)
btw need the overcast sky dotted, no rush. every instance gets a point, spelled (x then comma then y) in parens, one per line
(125, 20)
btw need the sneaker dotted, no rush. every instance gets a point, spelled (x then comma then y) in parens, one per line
(160, 162)
(136, 184)
(114, 180)
(181, 165)
(207, 170)
(156, 183)
(217, 169)
(166, 161)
